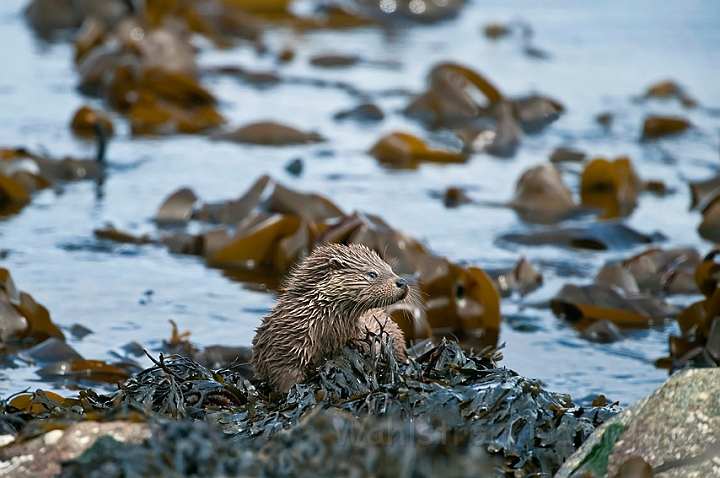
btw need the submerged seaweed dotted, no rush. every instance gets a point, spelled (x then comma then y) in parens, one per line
(446, 413)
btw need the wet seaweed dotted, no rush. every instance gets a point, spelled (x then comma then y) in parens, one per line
(446, 412)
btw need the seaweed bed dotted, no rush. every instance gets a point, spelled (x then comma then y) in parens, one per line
(446, 413)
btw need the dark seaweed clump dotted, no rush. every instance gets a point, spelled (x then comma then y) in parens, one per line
(446, 413)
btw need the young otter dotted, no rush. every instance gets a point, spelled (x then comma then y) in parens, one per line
(331, 297)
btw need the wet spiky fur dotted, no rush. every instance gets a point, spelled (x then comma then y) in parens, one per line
(328, 299)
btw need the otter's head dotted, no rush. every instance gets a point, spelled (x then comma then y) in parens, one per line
(349, 279)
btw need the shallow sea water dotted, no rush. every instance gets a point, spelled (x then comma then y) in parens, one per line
(602, 55)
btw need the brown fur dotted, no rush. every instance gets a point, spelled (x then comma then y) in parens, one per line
(328, 299)
(376, 321)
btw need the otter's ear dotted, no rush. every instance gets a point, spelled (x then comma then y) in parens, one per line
(335, 263)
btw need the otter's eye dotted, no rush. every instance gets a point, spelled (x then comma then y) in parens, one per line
(372, 275)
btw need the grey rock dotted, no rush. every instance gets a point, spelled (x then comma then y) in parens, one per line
(572, 467)
(42, 456)
(675, 430)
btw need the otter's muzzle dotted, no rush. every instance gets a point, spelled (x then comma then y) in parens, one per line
(402, 285)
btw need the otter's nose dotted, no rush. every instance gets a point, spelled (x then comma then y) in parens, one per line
(401, 283)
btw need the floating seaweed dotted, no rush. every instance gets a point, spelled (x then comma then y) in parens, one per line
(262, 234)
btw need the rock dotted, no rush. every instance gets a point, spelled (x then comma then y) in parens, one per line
(676, 427)
(43, 456)
(674, 430)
